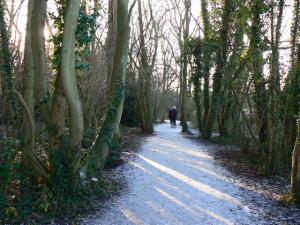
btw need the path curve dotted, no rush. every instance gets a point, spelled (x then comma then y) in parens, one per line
(173, 180)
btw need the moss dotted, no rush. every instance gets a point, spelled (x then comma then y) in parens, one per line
(288, 199)
(108, 129)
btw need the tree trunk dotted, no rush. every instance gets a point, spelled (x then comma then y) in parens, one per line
(29, 159)
(295, 31)
(144, 81)
(28, 63)
(28, 80)
(58, 115)
(274, 124)
(6, 70)
(69, 83)
(260, 96)
(295, 175)
(39, 60)
(291, 101)
(225, 116)
(206, 60)
(110, 43)
(110, 126)
(183, 86)
(231, 73)
(196, 79)
(221, 59)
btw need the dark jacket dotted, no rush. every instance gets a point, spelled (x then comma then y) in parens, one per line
(174, 114)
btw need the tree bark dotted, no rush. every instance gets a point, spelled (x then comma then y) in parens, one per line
(295, 31)
(28, 80)
(110, 43)
(183, 86)
(295, 174)
(58, 115)
(69, 83)
(196, 79)
(28, 63)
(110, 126)
(206, 60)
(274, 124)
(260, 96)
(144, 81)
(292, 86)
(221, 59)
(38, 23)
(6, 69)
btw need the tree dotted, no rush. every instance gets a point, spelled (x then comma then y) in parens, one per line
(291, 89)
(221, 58)
(110, 40)
(99, 150)
(39, 59)
(6, 70)
(260, 96)
(184, 72)
(274, 103)
(207, 59)
(145, 74)
(28, 63)
(197, 75)
(295, 175)
(69, 84)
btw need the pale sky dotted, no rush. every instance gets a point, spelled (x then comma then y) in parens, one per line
(20, 20)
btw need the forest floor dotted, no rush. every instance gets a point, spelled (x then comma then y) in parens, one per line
(173, 179)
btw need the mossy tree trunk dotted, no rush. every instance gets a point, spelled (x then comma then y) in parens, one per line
(184, 73)
(145, 73)
(6, 70)
(274, 120)
(58, 115)
(295, 175)
(110, 43)
(221, 59)
(29, 159)
(207, 57)
(260, 95)
(196, 79)
(232, 74)
(291, 90)
(99, 150)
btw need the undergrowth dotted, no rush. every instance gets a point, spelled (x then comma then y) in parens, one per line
(28, 201)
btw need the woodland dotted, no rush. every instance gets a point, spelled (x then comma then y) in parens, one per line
(76, 74)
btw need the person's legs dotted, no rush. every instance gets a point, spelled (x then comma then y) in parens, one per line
(173, 121)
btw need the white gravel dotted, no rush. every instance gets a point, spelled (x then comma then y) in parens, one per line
(173, 180)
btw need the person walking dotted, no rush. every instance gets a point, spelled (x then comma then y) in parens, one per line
(173, 115)
(170, 115)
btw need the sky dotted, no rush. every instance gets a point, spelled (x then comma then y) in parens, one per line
(21, 18)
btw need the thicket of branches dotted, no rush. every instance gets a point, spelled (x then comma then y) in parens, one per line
(246, 79)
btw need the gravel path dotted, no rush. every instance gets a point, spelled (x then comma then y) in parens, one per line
(174, 180)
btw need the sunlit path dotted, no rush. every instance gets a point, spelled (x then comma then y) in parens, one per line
(174, 180)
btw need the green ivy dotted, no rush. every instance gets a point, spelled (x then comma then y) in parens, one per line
(85, 33)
